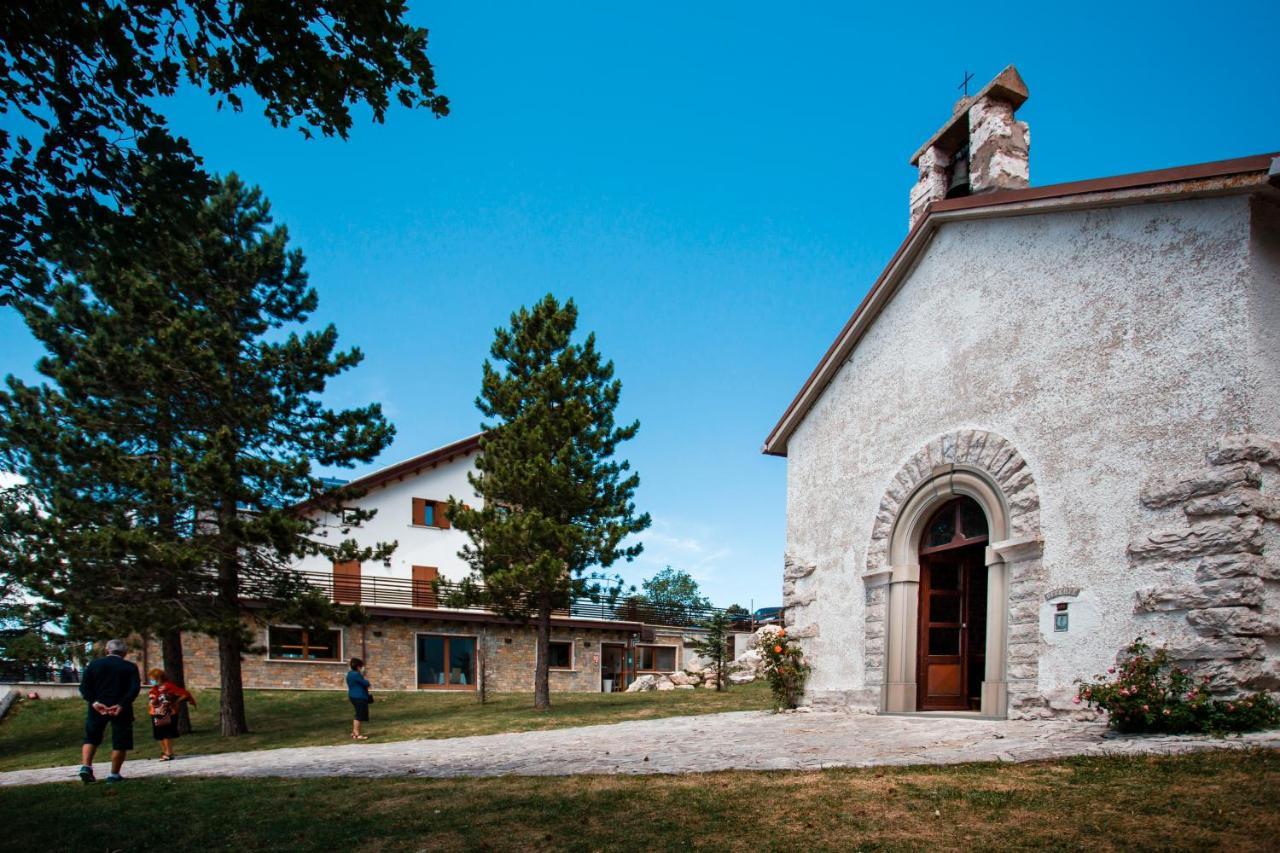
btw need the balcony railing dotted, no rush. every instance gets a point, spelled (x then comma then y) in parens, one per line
(371, 590)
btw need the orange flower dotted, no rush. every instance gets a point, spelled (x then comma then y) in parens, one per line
(777, 650)
(782, 632)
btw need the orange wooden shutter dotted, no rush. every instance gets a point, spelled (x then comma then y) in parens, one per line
(419, 511)
(346, 582)
(442, 515)
(424, 595)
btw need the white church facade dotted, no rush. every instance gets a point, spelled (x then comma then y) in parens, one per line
(1052, 426)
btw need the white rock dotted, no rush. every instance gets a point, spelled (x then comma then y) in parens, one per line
(742, 678)
(680, 679)
(643, 683)
(684, 687)
(664, 684)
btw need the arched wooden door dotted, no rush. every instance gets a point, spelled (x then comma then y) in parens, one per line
(953, 608)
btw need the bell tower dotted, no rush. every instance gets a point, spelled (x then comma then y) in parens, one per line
(982, 147)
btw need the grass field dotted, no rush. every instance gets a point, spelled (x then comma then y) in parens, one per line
(47, 733)
(1228, 801)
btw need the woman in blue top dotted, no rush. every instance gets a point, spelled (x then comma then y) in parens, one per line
(358, 693)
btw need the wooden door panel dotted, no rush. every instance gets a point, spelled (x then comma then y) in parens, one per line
(946, 638)
(424, 594)
(944, 680)
(346, 582)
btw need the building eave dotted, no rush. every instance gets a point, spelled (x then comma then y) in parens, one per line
(1222, 177)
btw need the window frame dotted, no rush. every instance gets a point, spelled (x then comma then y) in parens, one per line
(573, 656)
(474, 675)
(341, 650)
(639, 659)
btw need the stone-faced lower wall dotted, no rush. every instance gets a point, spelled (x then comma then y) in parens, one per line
(1218, 606)
(389, 649)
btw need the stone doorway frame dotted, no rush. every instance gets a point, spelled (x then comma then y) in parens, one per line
(985, 467)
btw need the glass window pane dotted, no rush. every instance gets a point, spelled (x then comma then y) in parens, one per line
(944, 608)
(944, 576)
(462, 658)
(973, 521)
(944, 641)
(561, 656)
(665, 658)
(942, 529)
(429, 514)
(430, 659)
(285, 643)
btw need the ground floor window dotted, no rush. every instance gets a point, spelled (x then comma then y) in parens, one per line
(656, 658)
(301, 644)
(560, 655)
(446, 662)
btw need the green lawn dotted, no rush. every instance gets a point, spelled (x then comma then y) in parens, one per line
(1209, 801)
(47, 733)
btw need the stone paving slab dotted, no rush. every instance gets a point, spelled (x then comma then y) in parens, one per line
(743, 740)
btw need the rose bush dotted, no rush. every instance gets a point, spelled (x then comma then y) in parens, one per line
(784, 667)
(1145, 693)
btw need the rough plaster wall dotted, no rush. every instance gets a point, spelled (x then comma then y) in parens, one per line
(1106, 345)
(1264, 311)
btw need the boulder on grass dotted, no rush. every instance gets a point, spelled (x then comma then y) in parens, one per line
(742, 678)
(681, 679)
(643, 683)
(664, 683)
(684, 687)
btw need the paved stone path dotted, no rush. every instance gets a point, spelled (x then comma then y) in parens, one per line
(745, 740)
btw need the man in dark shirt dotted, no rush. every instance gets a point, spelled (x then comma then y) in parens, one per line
(109, 685)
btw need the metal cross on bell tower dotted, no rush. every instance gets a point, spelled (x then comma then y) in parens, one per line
(965, 83)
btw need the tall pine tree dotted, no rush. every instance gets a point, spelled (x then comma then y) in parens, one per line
(179, 429)
(556, 503)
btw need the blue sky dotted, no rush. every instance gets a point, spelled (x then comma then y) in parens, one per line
(716, 185)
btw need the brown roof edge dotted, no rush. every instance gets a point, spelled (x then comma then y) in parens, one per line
(461, 447)
(925, 224)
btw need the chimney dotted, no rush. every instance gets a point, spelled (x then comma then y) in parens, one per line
(983, 148)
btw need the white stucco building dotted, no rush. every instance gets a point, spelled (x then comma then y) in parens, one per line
(409, 499)
(1049, 428)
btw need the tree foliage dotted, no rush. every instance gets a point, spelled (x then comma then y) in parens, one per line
(177, 428)
(82, 85)
(556, 503)
(714, 646)
(675, 595)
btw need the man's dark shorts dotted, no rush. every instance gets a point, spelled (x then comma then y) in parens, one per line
(95, 726)
(362, 710)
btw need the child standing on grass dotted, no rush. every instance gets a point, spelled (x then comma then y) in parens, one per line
(164, 702)
(358, 693)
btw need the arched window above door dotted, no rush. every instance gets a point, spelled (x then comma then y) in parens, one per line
(956, 524)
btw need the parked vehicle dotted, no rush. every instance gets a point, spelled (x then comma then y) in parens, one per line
(768, 616)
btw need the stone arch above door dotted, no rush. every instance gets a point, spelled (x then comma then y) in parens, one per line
(984, 452)
(988, 468)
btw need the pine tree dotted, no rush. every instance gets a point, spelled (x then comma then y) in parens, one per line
(714, 646)
(177, 434)
(556, 504)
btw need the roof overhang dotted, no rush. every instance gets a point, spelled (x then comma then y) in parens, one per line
(1222, 177)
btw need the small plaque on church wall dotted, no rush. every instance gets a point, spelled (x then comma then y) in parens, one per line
(1062, 592)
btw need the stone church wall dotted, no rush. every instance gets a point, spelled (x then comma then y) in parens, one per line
(1108, 347)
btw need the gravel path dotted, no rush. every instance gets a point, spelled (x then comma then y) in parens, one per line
(746, 740)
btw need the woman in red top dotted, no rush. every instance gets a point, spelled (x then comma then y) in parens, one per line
(163, 702)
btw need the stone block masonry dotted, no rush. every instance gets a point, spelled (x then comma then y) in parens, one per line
(1232, 605)
(388, 646)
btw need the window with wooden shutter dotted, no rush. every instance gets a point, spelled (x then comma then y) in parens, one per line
(442, 515)
(424, 594)
(419, 511)
(346, 582)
